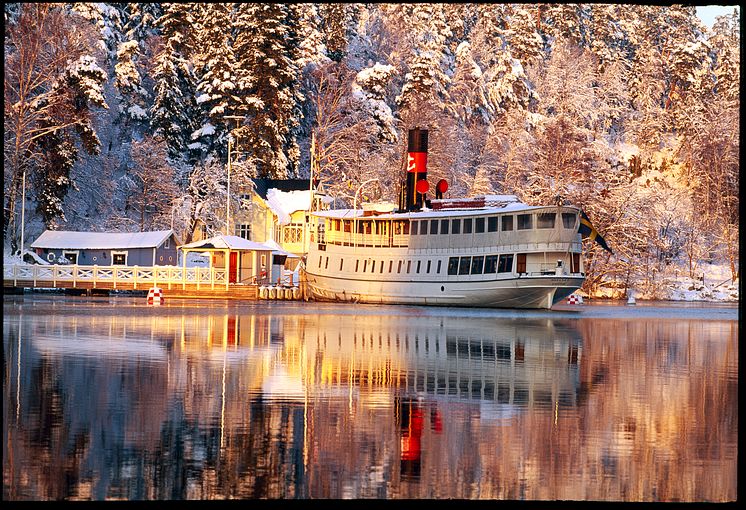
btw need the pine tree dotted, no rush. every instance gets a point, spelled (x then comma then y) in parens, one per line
(217, 89)
(267, 73)
(174, 109)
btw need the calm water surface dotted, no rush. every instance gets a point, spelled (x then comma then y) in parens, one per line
(109, 398)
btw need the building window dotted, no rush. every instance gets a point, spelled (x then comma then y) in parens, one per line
(243, 230)
(524, 222)
(545, 220)
(507, 223)
(479, 225)
(245, 200)
(452, 265)
(456, 226)
(467, 225)
(490, 264)
(568, 220)
(292, 233)
(477, 263)
(506, 264)
(118, 258)
(464, 265)
(167, 244)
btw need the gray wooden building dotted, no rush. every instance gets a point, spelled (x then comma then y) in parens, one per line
(156, 248)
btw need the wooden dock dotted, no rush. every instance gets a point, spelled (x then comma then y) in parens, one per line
(176, 282)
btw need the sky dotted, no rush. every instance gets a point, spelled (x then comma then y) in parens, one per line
(707, 13)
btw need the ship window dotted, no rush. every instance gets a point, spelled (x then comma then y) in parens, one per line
(464, 265)
(507, 223)
(373, 267)
(453, 265)
(467, 225)
(568, 220)
(545, 220)
(320, 257)
(341, 263)
(399, 269)
(357, 265)
(347, 226)
(492, 224)
(479, 225)
(524, 221)
(381, 266)
(433, 226)
(406, 228)
(575, 267)
(506, 264)
(428, 267)
(409, 266)
(326, 264)
(415, 227)
(365, 265)
(490, 264)
(419, 264)
(477, 263)
(444, 226)
(336, 225)
(438, 267)
(391, 265)
(456, 225)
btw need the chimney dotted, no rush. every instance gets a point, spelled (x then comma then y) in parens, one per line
(416, 169)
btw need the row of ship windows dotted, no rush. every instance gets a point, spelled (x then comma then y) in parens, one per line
(505, 223)
(488, 264)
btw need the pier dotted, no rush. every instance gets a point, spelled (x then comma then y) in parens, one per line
(176, 282)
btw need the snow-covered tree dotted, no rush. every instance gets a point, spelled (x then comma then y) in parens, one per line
(151, 184)
(52, 84)
(266, 49)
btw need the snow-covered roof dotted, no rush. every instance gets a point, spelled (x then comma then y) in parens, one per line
(65, 239)
(277, 249)
(227, 243)
(284, 203)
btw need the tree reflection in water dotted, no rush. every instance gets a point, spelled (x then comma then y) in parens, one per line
(105, 402)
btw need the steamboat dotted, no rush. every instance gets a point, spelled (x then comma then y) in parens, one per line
(488, 251)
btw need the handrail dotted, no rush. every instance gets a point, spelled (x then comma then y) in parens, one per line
(115, 274)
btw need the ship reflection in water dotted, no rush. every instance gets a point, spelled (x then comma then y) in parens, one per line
(129, 402)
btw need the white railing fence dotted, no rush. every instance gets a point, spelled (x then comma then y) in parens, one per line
(157, 275)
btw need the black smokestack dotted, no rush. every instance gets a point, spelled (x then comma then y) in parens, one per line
(416, 168)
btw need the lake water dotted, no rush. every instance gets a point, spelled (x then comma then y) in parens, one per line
(110, 398)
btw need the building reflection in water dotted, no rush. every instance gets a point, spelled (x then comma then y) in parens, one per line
(185, 404)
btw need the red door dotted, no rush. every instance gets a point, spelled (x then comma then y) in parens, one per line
(232, 267)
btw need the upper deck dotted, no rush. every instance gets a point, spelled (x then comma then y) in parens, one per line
(512, 224)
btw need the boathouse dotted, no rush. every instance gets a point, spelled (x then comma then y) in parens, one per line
(157, 248)
(244, 261)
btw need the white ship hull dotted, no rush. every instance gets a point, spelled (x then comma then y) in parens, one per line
(523, 292)
(507, 255)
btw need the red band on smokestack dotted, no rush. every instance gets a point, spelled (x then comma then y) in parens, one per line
(417, 162)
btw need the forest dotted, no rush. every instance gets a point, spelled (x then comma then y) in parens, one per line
(119, 116)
